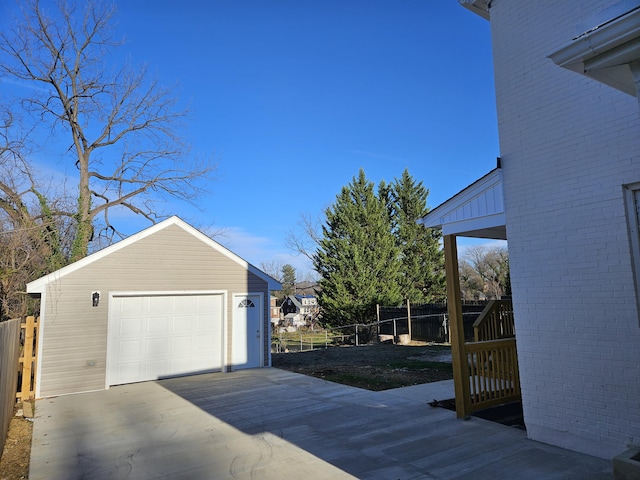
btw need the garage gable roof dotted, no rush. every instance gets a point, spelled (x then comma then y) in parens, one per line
(37, 286)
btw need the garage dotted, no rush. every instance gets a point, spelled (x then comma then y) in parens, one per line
(167, 301)
(159, 336)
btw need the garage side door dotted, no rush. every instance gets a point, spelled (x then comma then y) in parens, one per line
(157, 336)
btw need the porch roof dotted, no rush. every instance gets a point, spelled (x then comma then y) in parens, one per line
(475, 211)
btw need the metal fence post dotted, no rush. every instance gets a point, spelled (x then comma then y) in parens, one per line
(409, 318)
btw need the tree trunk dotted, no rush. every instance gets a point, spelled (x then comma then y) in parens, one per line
(84, 231)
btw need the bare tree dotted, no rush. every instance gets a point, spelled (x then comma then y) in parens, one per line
(34, 240)
(485, 270)
(471, 284)
(273, 268)
(306, 237)
(119, 126)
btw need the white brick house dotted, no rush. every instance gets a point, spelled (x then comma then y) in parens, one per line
(570, 177)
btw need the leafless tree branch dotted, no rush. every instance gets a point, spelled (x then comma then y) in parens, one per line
(121, 125)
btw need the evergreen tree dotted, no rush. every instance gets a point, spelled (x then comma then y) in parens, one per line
(422, 278)
(288, 280)
(357, 257)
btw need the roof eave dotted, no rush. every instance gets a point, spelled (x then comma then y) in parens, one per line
(604, 52)
(479, 7)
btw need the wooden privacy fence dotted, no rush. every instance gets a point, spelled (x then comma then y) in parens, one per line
(27, 361)
(493, 376)
(9, 351)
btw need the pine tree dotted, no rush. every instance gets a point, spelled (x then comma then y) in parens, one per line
(357, 257)
(422, 278)
(288, 280)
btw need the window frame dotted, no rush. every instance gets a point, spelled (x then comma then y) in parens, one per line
(632, 210)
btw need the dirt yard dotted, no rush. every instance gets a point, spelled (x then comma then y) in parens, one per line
(14, 463)
(374, 367)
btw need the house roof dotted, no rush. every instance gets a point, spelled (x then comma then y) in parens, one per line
(300, 296)
(295, 301)
(475, 211)
(38, 286)
(605, 52)
(479, 7)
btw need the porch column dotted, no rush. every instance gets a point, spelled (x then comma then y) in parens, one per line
(456, 328)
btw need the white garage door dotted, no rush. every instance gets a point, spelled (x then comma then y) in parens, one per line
(152, 337)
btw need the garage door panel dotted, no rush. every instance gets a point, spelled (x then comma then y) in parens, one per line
(185, 325)
(158, 346)
(209, 303)
(157, 325)
(158, 368)
(130, 349)
(183, 343)
(189, 303)
(175, 335)
(133, 325)
(183, 365)
(204, 322)
(160, 304)
(129, 372)
(132, 305)
(202, 361)
(203, 343)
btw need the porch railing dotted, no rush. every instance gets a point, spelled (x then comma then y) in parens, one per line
(493, 373)
(495, 321)
(492, 359)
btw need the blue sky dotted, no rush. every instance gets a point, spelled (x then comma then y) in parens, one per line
(293, 97)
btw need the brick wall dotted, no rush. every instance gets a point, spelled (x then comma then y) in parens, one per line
(568, 144)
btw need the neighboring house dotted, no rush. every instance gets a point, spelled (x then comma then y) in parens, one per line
(290, 305)
(566, 196)
(294, 320)
(166, 301)
(275, 310)
(308, 305)
(299, 310)
(304, 306)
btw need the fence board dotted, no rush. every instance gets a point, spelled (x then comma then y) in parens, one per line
(9, 351)
(27, 360)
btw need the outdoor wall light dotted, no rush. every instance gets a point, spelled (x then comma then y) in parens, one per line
(95, 298)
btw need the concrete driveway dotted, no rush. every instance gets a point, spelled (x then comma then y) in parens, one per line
(269, 423)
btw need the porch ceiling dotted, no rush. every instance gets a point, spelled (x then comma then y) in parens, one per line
(476, 211)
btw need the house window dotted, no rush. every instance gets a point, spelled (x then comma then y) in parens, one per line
(246, 303)
(632, 200)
